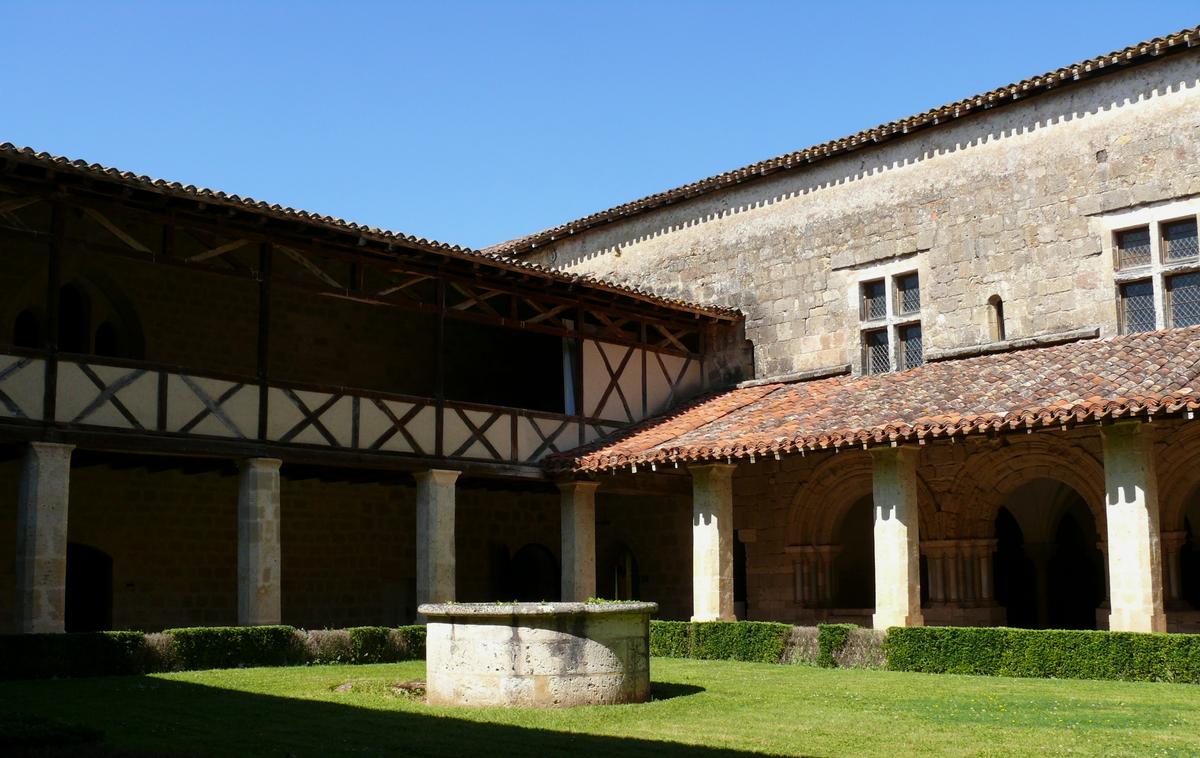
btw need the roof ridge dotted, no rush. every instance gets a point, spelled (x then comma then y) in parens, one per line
(1090, 67)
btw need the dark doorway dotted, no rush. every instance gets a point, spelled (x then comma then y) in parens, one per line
(1016, 579)
(533, 574)
(1073, 583)
(854, 567)
(89, 589)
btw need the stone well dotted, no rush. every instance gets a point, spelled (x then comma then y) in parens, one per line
(538, 654)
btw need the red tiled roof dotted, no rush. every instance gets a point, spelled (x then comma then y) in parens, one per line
(216, 197)
(1149, 373)
(1142, 52)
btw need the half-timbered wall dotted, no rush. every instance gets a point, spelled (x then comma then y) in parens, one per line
(192, 325)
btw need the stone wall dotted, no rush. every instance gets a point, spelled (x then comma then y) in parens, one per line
(784, 509)
(1007, 202)
(347, 547)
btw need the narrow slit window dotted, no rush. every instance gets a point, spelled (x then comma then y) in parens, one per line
(911, 353)
(996, 326)
(1183, 299)
(876, 358)
(874, 300)
(1137, 307)
(908, 294)
(1133, 248)
(1179, 241)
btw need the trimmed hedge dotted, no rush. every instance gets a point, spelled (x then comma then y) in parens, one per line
(670, 639)
(41, 656)
(222, 647)
(38, 656)
(831, 638)
(1127, 656)
(759, 641)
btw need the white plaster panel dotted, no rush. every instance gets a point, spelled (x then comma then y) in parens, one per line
(75, 392)
(24, 387)
(596, 379)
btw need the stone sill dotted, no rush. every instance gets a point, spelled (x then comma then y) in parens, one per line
(1004, 346)
(508, 610)
(799, 376)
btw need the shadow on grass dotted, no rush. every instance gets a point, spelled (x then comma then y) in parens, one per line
(671, 690)
(148, 716)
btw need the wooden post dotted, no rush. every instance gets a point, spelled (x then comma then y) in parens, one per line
(264, 333)
(58, 232)
(439, 363)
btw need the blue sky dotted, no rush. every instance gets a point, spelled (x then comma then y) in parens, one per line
(475, 122)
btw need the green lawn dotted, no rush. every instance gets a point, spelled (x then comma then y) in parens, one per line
(701, 708)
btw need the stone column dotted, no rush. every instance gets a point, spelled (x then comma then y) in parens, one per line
(259, 579)
(42, 538)
(1134, 552)
(712, 542)
(578, 540)
(435, 536)
(897, 536)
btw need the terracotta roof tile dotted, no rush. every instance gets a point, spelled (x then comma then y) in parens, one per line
(1101, 65)
(1149, 373)
(189, 191)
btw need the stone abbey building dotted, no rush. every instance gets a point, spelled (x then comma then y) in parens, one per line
(942, 371)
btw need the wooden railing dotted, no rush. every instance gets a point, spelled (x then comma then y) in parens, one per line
(141, 397)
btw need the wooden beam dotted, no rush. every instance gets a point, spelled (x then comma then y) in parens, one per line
(264, 335)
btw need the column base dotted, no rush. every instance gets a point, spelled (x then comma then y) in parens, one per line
(886, 619)
(1137, 622)
(730, 617)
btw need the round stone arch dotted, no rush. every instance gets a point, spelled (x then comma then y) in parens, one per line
(836, 484)
(1178, 475)
(987, 478)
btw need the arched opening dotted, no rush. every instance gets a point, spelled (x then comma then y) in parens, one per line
(533, 574)
(996, 327)
(1048, 570)
(620, 579)
(74, 320)
(89, 589)
(853, 573)
(27, 330)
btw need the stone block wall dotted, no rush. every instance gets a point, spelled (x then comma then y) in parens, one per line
(1008, 202)
(347, 547)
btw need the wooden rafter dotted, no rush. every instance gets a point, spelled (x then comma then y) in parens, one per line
(218, 251)
(474, 298)
(310, 267)
(116, 231)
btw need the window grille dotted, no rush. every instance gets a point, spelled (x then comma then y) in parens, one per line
(876, 358)
(908, 294)
(1133, 248)
(1137, 306)
(911, 354)
(1179, 240)
(874, 300)
(1183, 299)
